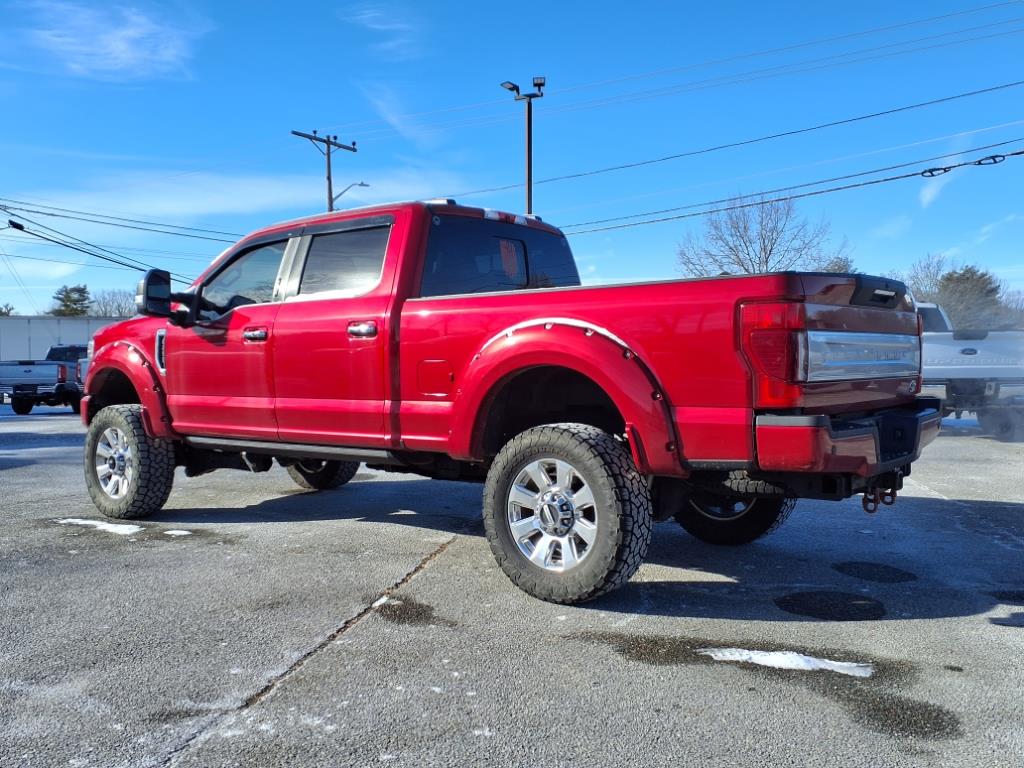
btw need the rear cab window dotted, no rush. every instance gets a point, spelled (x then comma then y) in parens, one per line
(470, 255)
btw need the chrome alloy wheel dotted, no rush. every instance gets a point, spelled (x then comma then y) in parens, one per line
(552, 514)
(115, 463)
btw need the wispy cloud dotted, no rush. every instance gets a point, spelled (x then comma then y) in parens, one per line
(114, 43)
(986, 231)
(892, 227)
(396, 34)
(387, 104)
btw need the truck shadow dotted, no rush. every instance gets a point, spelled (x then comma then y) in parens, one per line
(429, 504)
(816, 568)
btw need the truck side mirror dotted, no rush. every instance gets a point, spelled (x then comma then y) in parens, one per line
(153, 296)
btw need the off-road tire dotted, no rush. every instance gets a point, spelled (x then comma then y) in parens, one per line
(329, 474)
(154, 461)
(21, 406)
(622, 503)
(763, 515)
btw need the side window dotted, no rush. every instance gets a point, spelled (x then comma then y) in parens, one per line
(470, 255)
(249, 279)
(348, 261)
(474, 265)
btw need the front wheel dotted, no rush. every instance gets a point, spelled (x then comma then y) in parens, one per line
(128, 473)
(566, 512)
(322, 475)
(21, 406)
(731, 520)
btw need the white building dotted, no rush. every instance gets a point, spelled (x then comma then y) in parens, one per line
(27, 337)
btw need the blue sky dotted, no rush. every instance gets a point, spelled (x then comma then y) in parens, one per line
(180, 112)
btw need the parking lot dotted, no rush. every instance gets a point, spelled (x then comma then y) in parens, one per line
(252, 624)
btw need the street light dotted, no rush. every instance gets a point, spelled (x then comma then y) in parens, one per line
(538, 84)
(346, 189)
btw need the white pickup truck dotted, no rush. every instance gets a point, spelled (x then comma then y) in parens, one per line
(52, 381)
(978, 371)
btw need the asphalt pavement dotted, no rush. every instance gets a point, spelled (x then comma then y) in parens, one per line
(254, 624)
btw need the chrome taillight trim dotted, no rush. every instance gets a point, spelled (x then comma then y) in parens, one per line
(846, 355)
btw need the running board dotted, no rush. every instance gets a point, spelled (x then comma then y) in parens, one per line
(295, 450)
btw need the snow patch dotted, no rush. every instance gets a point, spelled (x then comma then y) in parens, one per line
(121, 529)
(483, 732)
(380, 601)
(788, 660)
(177, 533)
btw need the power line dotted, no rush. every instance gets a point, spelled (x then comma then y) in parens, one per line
(95, 214)
(698, 65)
(785, 48)
(799, 167)
(757, 140)
(72, 246)
(927, 173)
(63, 237)
(809, 65)
(796, 186)
(178, 255)
(18, 281)
(38, 212)
(73, 263)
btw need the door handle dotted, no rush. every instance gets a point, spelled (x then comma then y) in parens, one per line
(363, 329)
(254, 334)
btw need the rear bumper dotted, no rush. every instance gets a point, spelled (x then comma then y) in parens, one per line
(866, 446)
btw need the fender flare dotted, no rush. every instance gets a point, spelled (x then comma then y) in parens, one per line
(131, 361)
(582, 347)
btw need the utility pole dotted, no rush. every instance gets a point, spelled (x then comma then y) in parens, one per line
(538, 83)
(329, 142)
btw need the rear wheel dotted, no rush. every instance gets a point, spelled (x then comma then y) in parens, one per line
(323, 475)
(1002, 423)
(567, 514)
(128, 473)
(21, 406)
(76, 405)
(732, 520)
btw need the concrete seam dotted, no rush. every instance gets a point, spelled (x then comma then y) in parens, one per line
(272, 685)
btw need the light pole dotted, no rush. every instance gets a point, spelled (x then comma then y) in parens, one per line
(346, 189)
(538, 83)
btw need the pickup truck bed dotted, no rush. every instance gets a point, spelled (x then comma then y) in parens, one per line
(457, 343)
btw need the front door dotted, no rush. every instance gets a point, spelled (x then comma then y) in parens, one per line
(219, 371)
(331, 340)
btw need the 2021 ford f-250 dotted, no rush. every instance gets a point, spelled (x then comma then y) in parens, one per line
(457, 343)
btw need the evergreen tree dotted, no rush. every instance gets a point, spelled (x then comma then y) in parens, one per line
(72, 301)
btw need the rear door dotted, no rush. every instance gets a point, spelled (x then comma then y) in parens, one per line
(219, 372)
(331, 337)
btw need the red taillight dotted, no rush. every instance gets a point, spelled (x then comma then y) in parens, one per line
(78, 372)
(62, 374)
(772, 337)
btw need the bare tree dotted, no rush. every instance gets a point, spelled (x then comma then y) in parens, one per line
(113, 302)
(6, 310)
(763, 236)
(925, 276)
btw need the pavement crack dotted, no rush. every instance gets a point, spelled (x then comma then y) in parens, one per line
(211, 724)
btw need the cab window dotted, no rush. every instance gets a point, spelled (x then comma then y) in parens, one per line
(249, 279)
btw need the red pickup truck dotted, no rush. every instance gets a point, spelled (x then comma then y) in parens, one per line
(457, 343)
